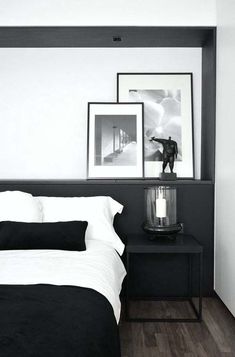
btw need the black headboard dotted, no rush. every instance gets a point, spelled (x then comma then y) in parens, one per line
(195, 208)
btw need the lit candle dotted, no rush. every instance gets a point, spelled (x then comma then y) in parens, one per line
(160, 207)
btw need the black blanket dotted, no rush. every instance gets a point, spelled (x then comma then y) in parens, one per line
(56, 321)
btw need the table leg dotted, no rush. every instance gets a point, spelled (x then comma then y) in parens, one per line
(190, 276)
(200, 286)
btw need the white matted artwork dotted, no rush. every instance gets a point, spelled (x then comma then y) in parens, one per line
(115, 140)
(167, 99)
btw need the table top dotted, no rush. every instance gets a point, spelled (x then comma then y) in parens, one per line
(147, 243)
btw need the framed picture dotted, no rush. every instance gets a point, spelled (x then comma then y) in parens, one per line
(115, 140)
(167, 99)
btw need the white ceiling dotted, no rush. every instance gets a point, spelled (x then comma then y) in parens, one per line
(108, 12)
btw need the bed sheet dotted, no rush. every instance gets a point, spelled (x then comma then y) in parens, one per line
(99, 268)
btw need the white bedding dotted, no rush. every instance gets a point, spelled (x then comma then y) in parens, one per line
(99, 268)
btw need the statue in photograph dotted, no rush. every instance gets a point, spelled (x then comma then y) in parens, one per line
(170, 151)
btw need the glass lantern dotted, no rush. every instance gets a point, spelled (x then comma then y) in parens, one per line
(161, 211)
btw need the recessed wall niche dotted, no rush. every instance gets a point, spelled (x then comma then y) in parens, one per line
(195, 197)
(43, 102)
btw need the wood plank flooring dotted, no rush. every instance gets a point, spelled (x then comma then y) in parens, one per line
(214, 337)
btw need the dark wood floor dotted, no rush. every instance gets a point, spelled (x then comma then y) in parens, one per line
(215, 336)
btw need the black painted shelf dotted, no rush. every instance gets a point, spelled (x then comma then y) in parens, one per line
(106, 182)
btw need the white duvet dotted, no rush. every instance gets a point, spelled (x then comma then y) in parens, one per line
(99, 268)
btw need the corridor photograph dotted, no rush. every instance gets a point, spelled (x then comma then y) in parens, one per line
(115, 140)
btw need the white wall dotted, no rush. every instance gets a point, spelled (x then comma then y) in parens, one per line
(44, 92)
(107, 12)
(43, 103)
(225, 155)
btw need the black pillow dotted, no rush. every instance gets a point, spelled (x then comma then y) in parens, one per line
(56, 235)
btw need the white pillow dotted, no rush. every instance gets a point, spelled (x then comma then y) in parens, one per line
(98, 211)
(20, 207)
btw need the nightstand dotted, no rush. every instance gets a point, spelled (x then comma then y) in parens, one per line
(182, 244)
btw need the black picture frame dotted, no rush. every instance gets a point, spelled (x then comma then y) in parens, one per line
(185, 169)
(107, 165)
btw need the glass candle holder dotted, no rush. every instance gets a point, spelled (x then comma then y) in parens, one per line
(161, 210)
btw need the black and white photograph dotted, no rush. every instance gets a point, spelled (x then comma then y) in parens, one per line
(167, 114)
(115, 140)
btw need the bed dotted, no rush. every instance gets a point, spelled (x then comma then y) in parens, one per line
(56, 302)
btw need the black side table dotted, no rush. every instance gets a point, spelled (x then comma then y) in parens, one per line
(183, 244)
